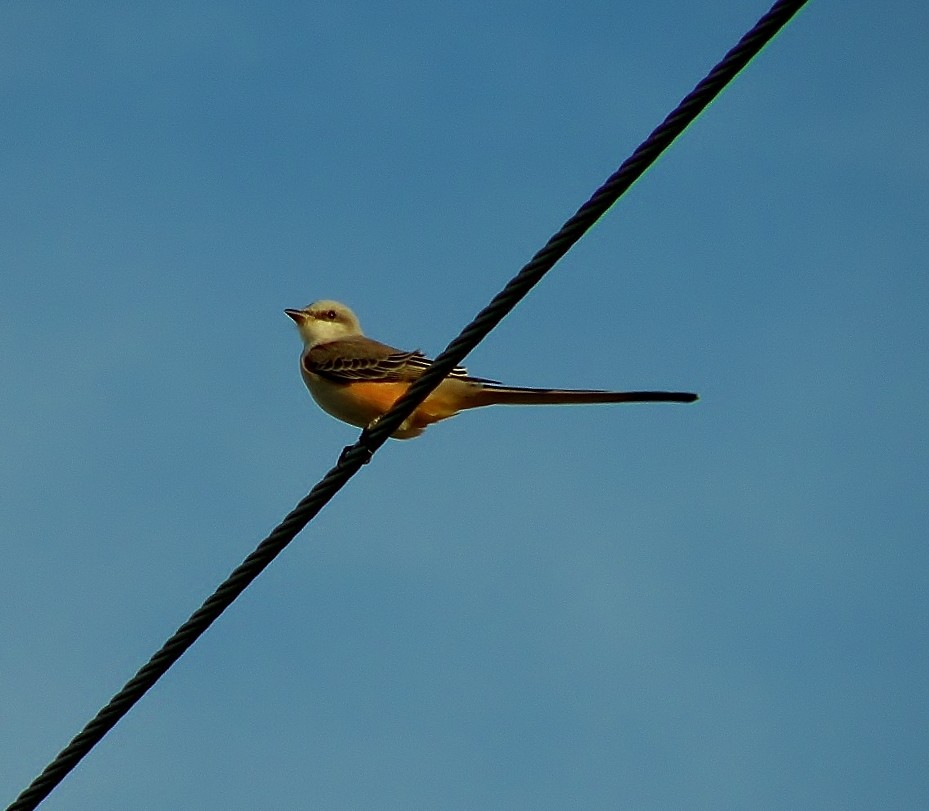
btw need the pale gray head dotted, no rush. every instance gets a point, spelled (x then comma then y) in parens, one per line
(324, 321)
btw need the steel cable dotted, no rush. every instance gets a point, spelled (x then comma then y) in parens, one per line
(356, 455)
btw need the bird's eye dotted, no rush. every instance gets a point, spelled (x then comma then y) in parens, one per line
(331, 315)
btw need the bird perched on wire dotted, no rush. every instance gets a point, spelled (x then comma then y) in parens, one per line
(357, 379)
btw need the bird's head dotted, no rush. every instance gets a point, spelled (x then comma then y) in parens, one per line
(324, 321)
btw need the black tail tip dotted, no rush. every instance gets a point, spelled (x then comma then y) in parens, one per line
(662, 396)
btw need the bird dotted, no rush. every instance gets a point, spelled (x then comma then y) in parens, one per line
(357, 379)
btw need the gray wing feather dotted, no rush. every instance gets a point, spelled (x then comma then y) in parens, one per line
(362, 358)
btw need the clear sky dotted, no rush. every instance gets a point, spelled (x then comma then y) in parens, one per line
(723, 605)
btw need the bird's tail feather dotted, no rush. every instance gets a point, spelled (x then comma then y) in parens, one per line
(511, 395)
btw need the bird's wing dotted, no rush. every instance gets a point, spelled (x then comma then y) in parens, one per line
(363, 358)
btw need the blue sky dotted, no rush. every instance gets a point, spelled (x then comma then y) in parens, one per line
(712, 606)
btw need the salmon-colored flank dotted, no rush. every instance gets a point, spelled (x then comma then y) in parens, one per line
(379, 397)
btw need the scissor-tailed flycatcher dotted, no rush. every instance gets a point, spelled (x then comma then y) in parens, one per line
(357, 379)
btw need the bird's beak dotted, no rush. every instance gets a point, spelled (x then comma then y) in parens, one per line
(297, 315)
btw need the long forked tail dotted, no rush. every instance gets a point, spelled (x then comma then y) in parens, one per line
(510, 395)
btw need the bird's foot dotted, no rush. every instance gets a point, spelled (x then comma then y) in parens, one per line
(358, 447)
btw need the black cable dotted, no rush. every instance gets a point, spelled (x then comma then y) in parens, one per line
(354, 456)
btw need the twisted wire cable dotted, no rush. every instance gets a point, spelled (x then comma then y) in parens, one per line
(356, 455)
